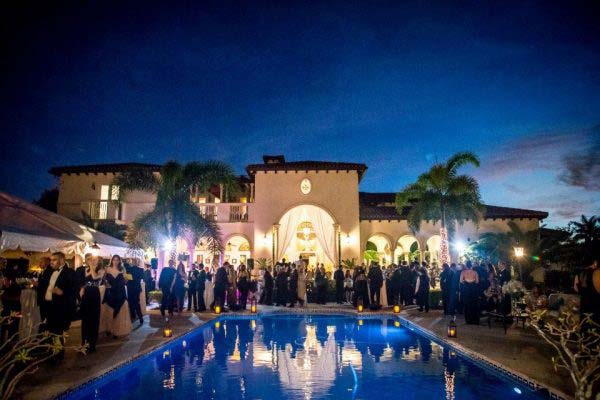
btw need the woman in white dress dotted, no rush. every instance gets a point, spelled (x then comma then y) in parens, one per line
(209, 295)
(302, 284)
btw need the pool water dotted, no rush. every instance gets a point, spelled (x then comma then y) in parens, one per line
(303, 357)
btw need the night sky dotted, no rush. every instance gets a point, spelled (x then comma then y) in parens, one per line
(396, 85)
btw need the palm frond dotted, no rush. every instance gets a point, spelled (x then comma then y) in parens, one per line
(460, 159)
(136, 179)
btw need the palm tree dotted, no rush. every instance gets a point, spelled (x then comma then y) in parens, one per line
(175, 215)
(441, 194)
(588, 231)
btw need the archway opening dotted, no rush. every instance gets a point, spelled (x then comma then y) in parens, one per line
(407, 249)
(378, 249)
(237, 250)
(433, 249)
(307, 232)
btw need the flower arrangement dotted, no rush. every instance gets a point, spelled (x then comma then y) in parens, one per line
(514, 288)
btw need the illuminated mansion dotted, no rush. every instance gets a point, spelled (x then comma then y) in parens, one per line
(287, 209)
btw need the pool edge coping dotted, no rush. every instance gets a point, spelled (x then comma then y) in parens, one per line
(473, 356)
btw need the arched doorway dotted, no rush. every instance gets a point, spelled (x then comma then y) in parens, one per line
(407, 249)
(308, 232)
(378, 249)
(433, 249)
(237, 250)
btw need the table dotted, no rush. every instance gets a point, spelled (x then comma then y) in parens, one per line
(30, 314)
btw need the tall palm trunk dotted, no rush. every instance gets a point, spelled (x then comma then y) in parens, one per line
(444, 245)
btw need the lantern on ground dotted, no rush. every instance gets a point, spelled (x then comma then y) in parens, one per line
(360, 307)
(217, 309)
(253, 306)
(452, 329)
(396, 309)
(167, 332)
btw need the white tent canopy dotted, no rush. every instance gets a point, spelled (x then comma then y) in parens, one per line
(31, 228)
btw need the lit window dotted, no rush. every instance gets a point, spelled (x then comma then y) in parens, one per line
(103, 210)
(104, 192)
(202, 200)
(114, 193)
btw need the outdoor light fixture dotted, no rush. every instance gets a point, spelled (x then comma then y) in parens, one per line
(359, 306)
(460, 247)
(452, 329)
(347, 240)
(253, 306)
(167, 332)
(168, 245)
(396, 309)
(217, 309)
(519, 252)
(265, 240)
(95, 249)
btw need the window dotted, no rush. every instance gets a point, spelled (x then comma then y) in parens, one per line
(114, 193)
(104, 192)
(103, 213)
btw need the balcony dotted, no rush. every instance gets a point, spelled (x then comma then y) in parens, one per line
(102, 210)
(226, 212)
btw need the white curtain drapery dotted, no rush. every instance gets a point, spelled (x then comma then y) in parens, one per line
(321, 221)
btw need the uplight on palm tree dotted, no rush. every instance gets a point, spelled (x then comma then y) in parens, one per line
(441, 194)
(175, 215)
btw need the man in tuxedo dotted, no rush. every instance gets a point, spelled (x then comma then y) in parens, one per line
(60, 296)
(338, 277)
(375, 277)
(166, 283)
(503, 274)
(42, 286)
(193, 289)
(134, 289)
(221, 284)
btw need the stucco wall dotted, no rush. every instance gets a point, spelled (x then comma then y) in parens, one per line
(334, 191)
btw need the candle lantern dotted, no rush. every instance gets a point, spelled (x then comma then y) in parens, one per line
(217, 309)
(167, 332)
(396, 309)
(253, 306)
(452, 329)
(360, 307)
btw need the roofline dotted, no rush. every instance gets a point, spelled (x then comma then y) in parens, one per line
(297, 166)
(102, 168)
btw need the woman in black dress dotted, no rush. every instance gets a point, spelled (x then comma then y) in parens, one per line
(469, 281)
(116, 297)
(422, 289)
(90, 304)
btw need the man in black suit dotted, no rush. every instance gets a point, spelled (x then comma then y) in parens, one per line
(503, 274)
(42, 286)
(221, 284)
(166, 282)
(134, 289)
(60, 296)
(375, 282)
(338, 277)
(193, 289)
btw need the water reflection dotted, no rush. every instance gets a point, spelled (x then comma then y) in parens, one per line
(300, 357)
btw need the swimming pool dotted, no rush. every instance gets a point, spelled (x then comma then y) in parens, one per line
(302, 357)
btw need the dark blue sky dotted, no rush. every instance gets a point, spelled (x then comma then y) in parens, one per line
(395, 85)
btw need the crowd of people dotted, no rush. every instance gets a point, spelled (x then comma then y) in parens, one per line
(106, 298)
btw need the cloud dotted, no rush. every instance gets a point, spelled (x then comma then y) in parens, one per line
(571, 157)
(583, 169)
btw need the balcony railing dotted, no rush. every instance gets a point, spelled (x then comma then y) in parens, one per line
(226, 212)
(102, 210)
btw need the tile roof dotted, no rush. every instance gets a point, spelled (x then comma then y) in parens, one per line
(307, 166)
(371, 208)
(102, 168)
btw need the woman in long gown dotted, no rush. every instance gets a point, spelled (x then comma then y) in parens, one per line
(209, 286)
(179, 289)
(115, 299)
(469, 281)
(383, 297)
(91, 305)
(302, 284)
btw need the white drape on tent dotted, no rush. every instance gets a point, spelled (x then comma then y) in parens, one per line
(324, 229)
(321, 221)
